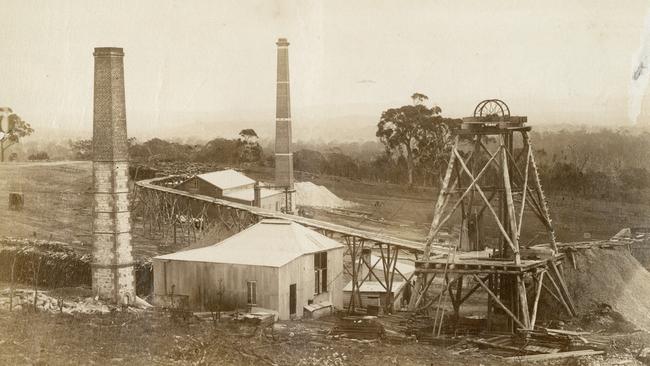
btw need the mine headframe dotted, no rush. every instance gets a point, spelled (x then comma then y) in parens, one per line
(492, 191)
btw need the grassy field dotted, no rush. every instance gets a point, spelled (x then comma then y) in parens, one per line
(408, 213)
(58, 204)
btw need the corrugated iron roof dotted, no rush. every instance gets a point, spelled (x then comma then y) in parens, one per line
(374, 286)
(271, 243)
(226, 179)
(377, 264)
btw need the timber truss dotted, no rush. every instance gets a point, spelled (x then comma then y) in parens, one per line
(181, 218)
(490, 184)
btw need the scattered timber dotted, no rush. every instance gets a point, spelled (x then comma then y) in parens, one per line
(554, 356)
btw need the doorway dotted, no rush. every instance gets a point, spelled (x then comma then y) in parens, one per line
(292, 299)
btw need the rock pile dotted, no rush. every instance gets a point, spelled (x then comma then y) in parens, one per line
(310, 194)
(606, 278)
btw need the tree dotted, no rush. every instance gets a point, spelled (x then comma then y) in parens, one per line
(41, 155)
(310, 161)
(82, 149)
(419, 98)
(248, 135)
(13, 129)
(434, 144)
(413, 131)
(249, 147)
(218, 150)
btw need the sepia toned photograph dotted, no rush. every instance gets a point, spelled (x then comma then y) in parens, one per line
(362, 183)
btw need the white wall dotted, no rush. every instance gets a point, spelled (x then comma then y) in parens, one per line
(301, 272)
(200, 281)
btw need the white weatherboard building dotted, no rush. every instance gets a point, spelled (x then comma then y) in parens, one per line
(373, 292)
(231, 185)
(275, 264)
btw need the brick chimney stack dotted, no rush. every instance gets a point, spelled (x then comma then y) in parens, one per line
(113, 275)
(283, 149)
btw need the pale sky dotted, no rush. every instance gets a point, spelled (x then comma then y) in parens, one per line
(208, 67)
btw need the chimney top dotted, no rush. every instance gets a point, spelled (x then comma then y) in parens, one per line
(108, 51)
(282, 42)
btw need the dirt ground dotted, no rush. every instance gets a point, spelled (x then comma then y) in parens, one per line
(58, 206)
(150, 338)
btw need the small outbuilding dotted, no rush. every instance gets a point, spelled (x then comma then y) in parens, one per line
(231, 185)
(373, 292)
(275, 264)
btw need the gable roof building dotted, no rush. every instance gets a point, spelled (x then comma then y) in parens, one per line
(275, 264)
(226, 179)
(231, 185)
(270, 243)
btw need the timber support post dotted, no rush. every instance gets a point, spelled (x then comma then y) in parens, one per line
(501, 181)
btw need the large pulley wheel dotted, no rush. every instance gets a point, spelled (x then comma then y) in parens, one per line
(492, 108)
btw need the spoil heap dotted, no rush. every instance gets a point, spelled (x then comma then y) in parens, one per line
(310, 194)
(606, 279)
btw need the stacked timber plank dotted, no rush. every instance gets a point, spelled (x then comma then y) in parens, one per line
(543, 344)
(356, 327)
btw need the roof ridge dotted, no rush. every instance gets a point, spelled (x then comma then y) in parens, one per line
(266, 245)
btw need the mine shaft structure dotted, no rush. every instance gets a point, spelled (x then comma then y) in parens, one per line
(113, 275)
(178, 218)
(283, 138)
(491, 182)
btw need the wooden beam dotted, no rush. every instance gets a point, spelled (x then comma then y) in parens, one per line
(560, 297)
(371, 273)
(554, 272)
(422, 293)
(495, 298)
(538, 187)
(437, 222)
(553, 356)
(407, 283)
(533, 203)
(550, 292)
(533, 316)
(494, 214)
(510, 205)
(440, 203)
(523, 194)
(472, 290)
(523, 300)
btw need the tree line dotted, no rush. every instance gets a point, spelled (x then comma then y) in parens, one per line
(412, 148)
(243, 150)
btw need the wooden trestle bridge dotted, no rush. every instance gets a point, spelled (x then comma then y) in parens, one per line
(182, 218)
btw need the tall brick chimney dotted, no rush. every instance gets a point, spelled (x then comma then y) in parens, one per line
(283, 152)
(113, 275)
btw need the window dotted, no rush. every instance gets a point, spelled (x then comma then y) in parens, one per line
(320, 272)
(251, 293)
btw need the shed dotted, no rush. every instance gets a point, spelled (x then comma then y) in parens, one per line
(275, 264)
(374, 293)
(231, 185)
